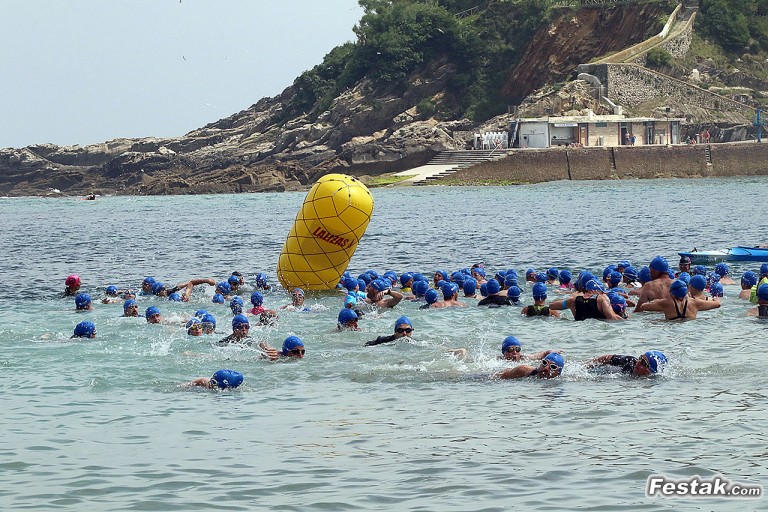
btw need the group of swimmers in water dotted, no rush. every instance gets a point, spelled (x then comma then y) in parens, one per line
(655, 288)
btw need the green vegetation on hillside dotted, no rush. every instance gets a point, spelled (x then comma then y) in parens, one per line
(736, 25)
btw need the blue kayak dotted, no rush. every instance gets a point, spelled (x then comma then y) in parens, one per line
(738, 253)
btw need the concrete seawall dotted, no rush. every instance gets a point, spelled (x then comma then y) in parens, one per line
(639, 162)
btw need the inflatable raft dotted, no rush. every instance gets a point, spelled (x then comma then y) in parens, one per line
(327, 230)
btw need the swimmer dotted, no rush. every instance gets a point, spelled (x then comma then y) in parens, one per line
(551, 366)
(153, 316)
(222, 379)
(266, 316)
(297, 300)
(678, 305)
(649, 363)
(513, 295)
(748, 280)
(406, 281)
(763, 279)
(495, 297)
(236, 305)
(643, 276)
(130, 308)
(223, 288)
(658, 287)
(240, 331)
(129, 294)
(630, 278)
(478, 274)
(593, 304)
(209, 323)
(376, 292)
(552, 275)
(194, 327)
(431, 299)
(71, 285)
(684, 265)
(83, 302)
(84, 330)
(450, 297)
(347, 320)
(147, 284)
(293, 347)
(530, 275)
(403, 328)
(564, 278)
(511, 350)
(261, 282)
(111, 295)
(470, 288)
(539, 308)
(234, 284)
(696, 287)
(761, 310)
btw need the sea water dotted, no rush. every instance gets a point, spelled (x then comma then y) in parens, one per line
(104, 424)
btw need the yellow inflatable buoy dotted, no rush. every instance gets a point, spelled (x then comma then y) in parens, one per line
(328, 227)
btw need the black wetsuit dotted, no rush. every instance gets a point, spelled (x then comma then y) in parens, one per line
(425, 306)
(534, 310)
(247, 340)
(495, 301)
(587, 308)
(627, 363)
(380, 340)
(677, 310)
(762, 311)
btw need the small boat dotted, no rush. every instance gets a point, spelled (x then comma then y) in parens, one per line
(738, 253)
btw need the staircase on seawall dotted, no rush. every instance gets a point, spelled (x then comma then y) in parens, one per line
(446, 163)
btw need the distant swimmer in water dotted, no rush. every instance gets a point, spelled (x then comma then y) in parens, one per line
(377, 291)
(677, 305)
(495, 296)
(72, 285)
(83, 302)
(684, 265)
(111, 295)
(153, 316)
(470, 288)
(84, 330)
(748, 280)
(347, 320)
(430, 298)
(403, 328)
(90, 197)
(593, 304)
(658, 287)
(297, 301)
(222, 379)
(130, 308)
(539, 308)
(761, 310)
(649, 363)
(266, 316)
(450, 297)
(551, 366)
(724, 272)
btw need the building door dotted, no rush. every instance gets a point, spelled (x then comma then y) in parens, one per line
(623, 138)
(649, 134)
(583, 136)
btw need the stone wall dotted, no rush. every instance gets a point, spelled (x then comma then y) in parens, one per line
(638, 162)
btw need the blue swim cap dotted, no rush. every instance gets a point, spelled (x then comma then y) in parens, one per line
(479, 271)
(364, 277)
(403, 320)
(419, 288)
(82, 300)
(555, 358)
(584, 278)
(175, 297)
(607, 271)
(224, 379)
(240, 320)
(749, 279)
(678, 289)
(541, 277)
(700, 270)
(405, 277)
(111, 290)
(431, 296)
(644, 275)
(630, 273)
(291, 343)
(509, 341)
(698, 282)
(685, 277)
(469, 286)
(391, 275)
(716, 290)
(500, 276)
(762, 292)
(157, 287)
(593, 285)
(350, 283)
(223, 288)
(623, 264)
(539, 291)
(346, 315)
(218, 298)
(200, 313)
(513, 292)
(379, 285)
(130, 302)
(659, 264)
(233, 281)
(553, 272)
(419, 277)
(764, 269)
(84, 330)
(565, 276)
(458, 278)
(151, 311)
(209, 319)
(484, 289)
(373, 274)
(722, 269)
(492, 286)
(656, 360)
(257, 299)
(529, 272)
(236, 300)
(149, 280)
(192, 321)
(362, 284)
(510, 280)
(128, 293)
(618, 303)
(615, 278)
(261, 279)
(236, 305)
(449, 289)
